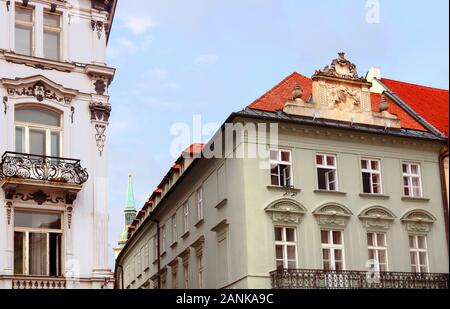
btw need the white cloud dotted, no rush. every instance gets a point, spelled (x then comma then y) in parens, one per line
(206, 59)
(137, 25)
(130, 46)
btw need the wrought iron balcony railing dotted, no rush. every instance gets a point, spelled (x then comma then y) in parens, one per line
(34, 167)
(321, 279)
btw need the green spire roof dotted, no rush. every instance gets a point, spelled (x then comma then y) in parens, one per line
(130, 205)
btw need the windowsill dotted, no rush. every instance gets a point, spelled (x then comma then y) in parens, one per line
(147, 269)
(133, 282)
(371, 195)
(39, 63)
(199, 223)
(418, 199)
(280, 188)
(173, 245)
(139, 276)
(185, 235)
(221, 204)
(155, 261)
(163, 254)
(330, 192)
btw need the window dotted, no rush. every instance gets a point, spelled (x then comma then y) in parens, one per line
(174, 229)
(186, 275)
(52, 36)
(418, 253)
(155, 248)
(37, 243)
(332, 250)
(378, 250)
(174, 279)
(412, 184)
(24, 31)
(200, 271)
(286, 248)
(371, 176)
(132, 271)
(281, 168)
(163, 239)
(186, 217)
(38, 131)
(200, 204)
(327, 172)
(137, 261)
(145, 257)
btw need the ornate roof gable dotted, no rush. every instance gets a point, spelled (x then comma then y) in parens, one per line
(40, 88)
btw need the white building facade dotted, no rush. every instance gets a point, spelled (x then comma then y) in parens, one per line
(54, 106)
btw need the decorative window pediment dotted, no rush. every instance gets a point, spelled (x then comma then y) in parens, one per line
(377, 217)
(39, 87)
(286, 211)
(332, 215)
(418, 220)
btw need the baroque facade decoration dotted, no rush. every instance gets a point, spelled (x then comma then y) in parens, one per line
(332, 215)
(45, 119)
(286, 211)
(418, 220)
(377, 217)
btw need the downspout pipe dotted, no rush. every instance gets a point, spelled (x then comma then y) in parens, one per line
(119, 266)
(444, 189)
(158, 245)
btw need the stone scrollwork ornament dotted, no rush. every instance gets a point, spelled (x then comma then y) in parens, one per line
(100, 113)
(100, 137)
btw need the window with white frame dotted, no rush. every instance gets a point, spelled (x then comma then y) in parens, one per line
(418, 253)
(163, 239)
(38, 131)
(52, 36)
(137, 261)
(281, 168)
(371, 176)
(200, 271)
(24, 31)
(412, 183)
(332, 250)
(155, 248)
(186, 217)
(186, 275)
(38, 244)
(327, 172)
(145, 257)
(174, 229)
(377, 246)
(286, 248)
(200, 204)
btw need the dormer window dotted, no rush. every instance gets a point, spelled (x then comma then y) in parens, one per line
(24, 31)
(52, 36)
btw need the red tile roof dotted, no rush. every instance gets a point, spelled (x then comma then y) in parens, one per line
(430, 103)
(407, 121)
(275, 98)
(195, 148)
(413, 95)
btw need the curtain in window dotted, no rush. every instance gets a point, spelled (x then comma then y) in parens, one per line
(38, 254)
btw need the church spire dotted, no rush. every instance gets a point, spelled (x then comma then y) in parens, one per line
(130, 214)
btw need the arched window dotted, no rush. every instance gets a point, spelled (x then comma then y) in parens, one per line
(38, 131)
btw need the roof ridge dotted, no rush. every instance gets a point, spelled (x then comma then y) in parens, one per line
(412, 84)
(276, 86)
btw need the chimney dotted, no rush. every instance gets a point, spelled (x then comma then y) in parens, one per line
(372, 74)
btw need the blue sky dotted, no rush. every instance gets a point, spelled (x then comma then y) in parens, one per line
(177, 58)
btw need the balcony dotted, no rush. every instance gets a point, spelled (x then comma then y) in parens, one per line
(320, 279)
(37, 283)
(27, 171)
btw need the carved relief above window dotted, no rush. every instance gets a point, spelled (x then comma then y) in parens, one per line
(418, 220)
(332, 215)
(286, 211)
(377, 218)
(40, 88)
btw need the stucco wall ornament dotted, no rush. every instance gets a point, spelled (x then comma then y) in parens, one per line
(39, 87)
(5, 102)
(286, 211)
(377, 218)
(341, 68)
(418, 220)
(97, 26)
(100, 113)
(332, 215)
(8, 207)
(344, 99)
(39, 197)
